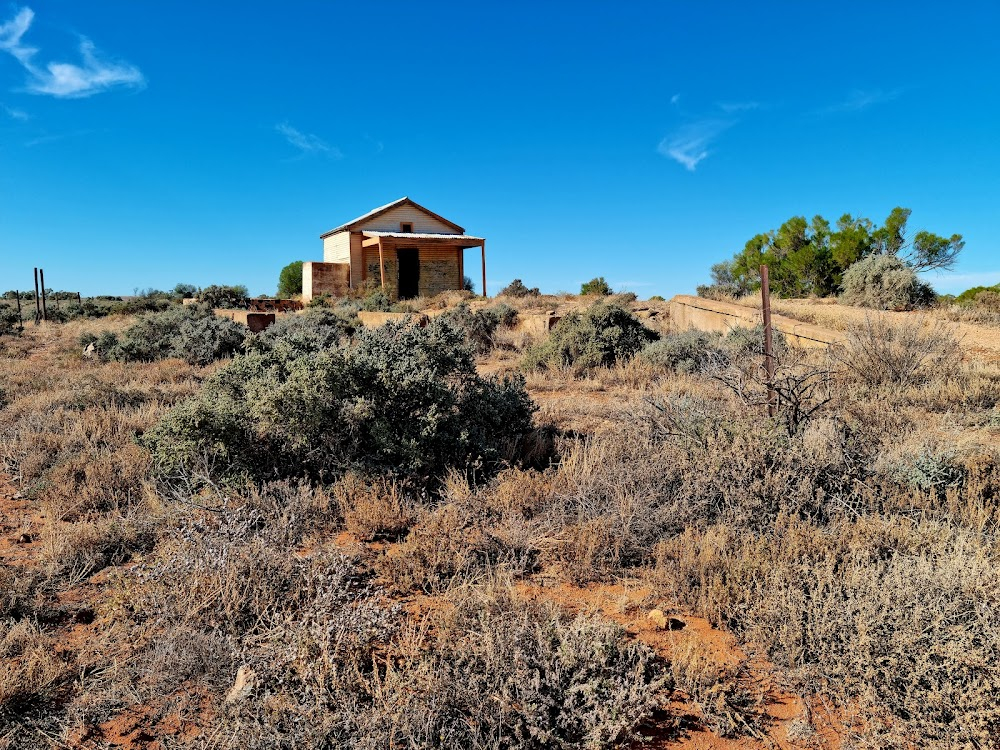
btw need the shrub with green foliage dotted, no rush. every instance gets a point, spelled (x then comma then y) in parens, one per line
(516, 288)
(10, 322)
(602, 334)
(480, 325)
(980, 296)
(596, 286)
(315, 329)
(689, 352)
(220, 296)
(400, 399)
(192, 333)
(884, 282)
(290, 279)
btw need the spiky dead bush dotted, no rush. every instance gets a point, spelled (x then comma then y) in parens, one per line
(895, 620)
(882, 352)
(401, 400)
(884, 282)
(492, 672)
(602, 334)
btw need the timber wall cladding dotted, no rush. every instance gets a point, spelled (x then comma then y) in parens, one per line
(337, 248)
(390, 221)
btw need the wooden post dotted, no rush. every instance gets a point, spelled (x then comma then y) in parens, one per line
(20, 320)
(79, 299)
(483, 246)
(41, 279)
(38, 305)
(381, 264)
(765, 298)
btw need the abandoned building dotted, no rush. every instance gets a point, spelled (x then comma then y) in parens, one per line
(401, 247)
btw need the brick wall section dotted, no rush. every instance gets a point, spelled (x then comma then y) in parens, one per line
(325, 278)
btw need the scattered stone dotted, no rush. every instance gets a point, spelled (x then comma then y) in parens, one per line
(246, 678)
(89, 350)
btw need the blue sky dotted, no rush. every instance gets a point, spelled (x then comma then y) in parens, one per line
(143, 144)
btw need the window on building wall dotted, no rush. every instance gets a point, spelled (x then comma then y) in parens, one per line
(405, 226)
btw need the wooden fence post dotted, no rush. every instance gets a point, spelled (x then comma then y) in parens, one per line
(20, 320)
(765, 296)
(38, 305)
(41, 279)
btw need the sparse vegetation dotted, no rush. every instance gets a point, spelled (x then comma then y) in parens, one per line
(517, 288)
(352, 538)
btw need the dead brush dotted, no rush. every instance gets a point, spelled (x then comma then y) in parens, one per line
(729, 700)
(31, 672)
(375, 509)
(899, 353)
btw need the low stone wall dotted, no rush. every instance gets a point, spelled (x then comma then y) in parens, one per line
(255, 321)
(376, 319)
(711, 315)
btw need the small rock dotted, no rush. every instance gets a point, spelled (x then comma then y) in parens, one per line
(246, 678)
(662, 622)
(658, 619)
(89, 350)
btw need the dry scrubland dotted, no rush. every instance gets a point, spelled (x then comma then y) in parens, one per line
(828, 578)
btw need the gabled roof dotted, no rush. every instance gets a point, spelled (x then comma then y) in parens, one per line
(352, 224)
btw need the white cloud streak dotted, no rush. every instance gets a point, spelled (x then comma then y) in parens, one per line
(15, 114)
(307, 143)
(734, 107)
(859, 100)
(689, 144)
(65, 80)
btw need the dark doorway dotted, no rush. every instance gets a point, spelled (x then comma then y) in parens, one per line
(409, 272)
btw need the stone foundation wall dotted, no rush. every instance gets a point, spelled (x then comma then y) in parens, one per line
(711, 315)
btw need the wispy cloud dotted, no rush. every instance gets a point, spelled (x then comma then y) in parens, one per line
(307, 143)
(689, 144)
(859, 100)
(734, 107)
(15, 114)
(675, 98)
(953, 283)
(61, 79)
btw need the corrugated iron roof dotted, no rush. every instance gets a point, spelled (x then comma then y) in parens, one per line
(421, 235)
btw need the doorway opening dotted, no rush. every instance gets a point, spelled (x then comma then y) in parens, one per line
(408, 260)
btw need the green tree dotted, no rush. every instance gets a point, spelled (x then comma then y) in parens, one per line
(596, 286)
(290, 280)
(809, 258)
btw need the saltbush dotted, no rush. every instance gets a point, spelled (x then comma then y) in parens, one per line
(316, 329)
(602, 334)
(399, 400)
(9, 321)
(884, 282)
(192, 333)
(688, 352)
(221, 296)
(480, 325)
(517, 288)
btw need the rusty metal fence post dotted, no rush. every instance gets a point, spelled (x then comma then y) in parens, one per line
(765, 296)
